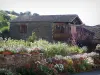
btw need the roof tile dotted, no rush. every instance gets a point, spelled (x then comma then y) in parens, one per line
(50, 18)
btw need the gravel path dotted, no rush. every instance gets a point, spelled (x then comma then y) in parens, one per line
(89, 73)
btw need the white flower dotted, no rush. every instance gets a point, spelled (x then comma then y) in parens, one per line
(59, 57)
(84, 48)
(92, 54)
(60, 67)
(98, 47)
(90, 60)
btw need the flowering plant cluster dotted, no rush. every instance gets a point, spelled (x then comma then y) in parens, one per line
(35, 68)
(49, 49)
(73, 63)
(58, 64)
(20, 50)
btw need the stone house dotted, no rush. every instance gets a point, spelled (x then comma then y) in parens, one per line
(68, 28)
(43, 25)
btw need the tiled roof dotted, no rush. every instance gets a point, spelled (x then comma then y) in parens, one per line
(50, 18)
(95, 29)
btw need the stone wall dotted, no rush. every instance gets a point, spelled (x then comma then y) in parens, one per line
(42, 29)
(18, 60)
(14, 30)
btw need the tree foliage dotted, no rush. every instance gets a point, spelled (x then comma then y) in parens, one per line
(4, 19)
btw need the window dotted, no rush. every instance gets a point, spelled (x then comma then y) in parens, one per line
(23, 28)
(60, 28)
(57, 27)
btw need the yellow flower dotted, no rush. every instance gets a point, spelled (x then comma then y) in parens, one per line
(70, 61)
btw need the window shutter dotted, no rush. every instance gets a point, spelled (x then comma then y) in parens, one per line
(23, 28)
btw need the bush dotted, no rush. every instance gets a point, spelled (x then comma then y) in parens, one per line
(6, 28)
(32, 38)
(5, 72)
(49, 49)
(5, 32)
(76, 49)
(56, 49)
(52, 49)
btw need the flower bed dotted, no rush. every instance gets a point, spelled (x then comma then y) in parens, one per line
(46, 58)
(75, 63)
(60, 64)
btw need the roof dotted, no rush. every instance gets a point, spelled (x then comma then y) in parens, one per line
(50, 18)
(95, 29)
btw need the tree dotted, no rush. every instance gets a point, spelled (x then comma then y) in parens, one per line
(35, 14)
(6, 16)
(21, 13)
(14, 13)
(4, 19)
(4, 24)
(27, 13)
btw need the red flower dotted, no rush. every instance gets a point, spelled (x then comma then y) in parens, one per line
(81, 58)
(28, 66)
(7, 53)
(50, 65)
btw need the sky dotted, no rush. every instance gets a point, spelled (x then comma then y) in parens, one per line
(87, 10)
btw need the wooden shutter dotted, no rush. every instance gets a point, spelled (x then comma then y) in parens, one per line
(23, 28)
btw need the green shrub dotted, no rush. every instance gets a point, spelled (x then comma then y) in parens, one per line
(14, 43)
(75, 49)
(32, 38)
(41, 43)
(3, 29)
(49, 49)
(56, 49)
(5, 72)
(5, 32)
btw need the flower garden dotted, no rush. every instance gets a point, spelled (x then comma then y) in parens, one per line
(19, 57)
